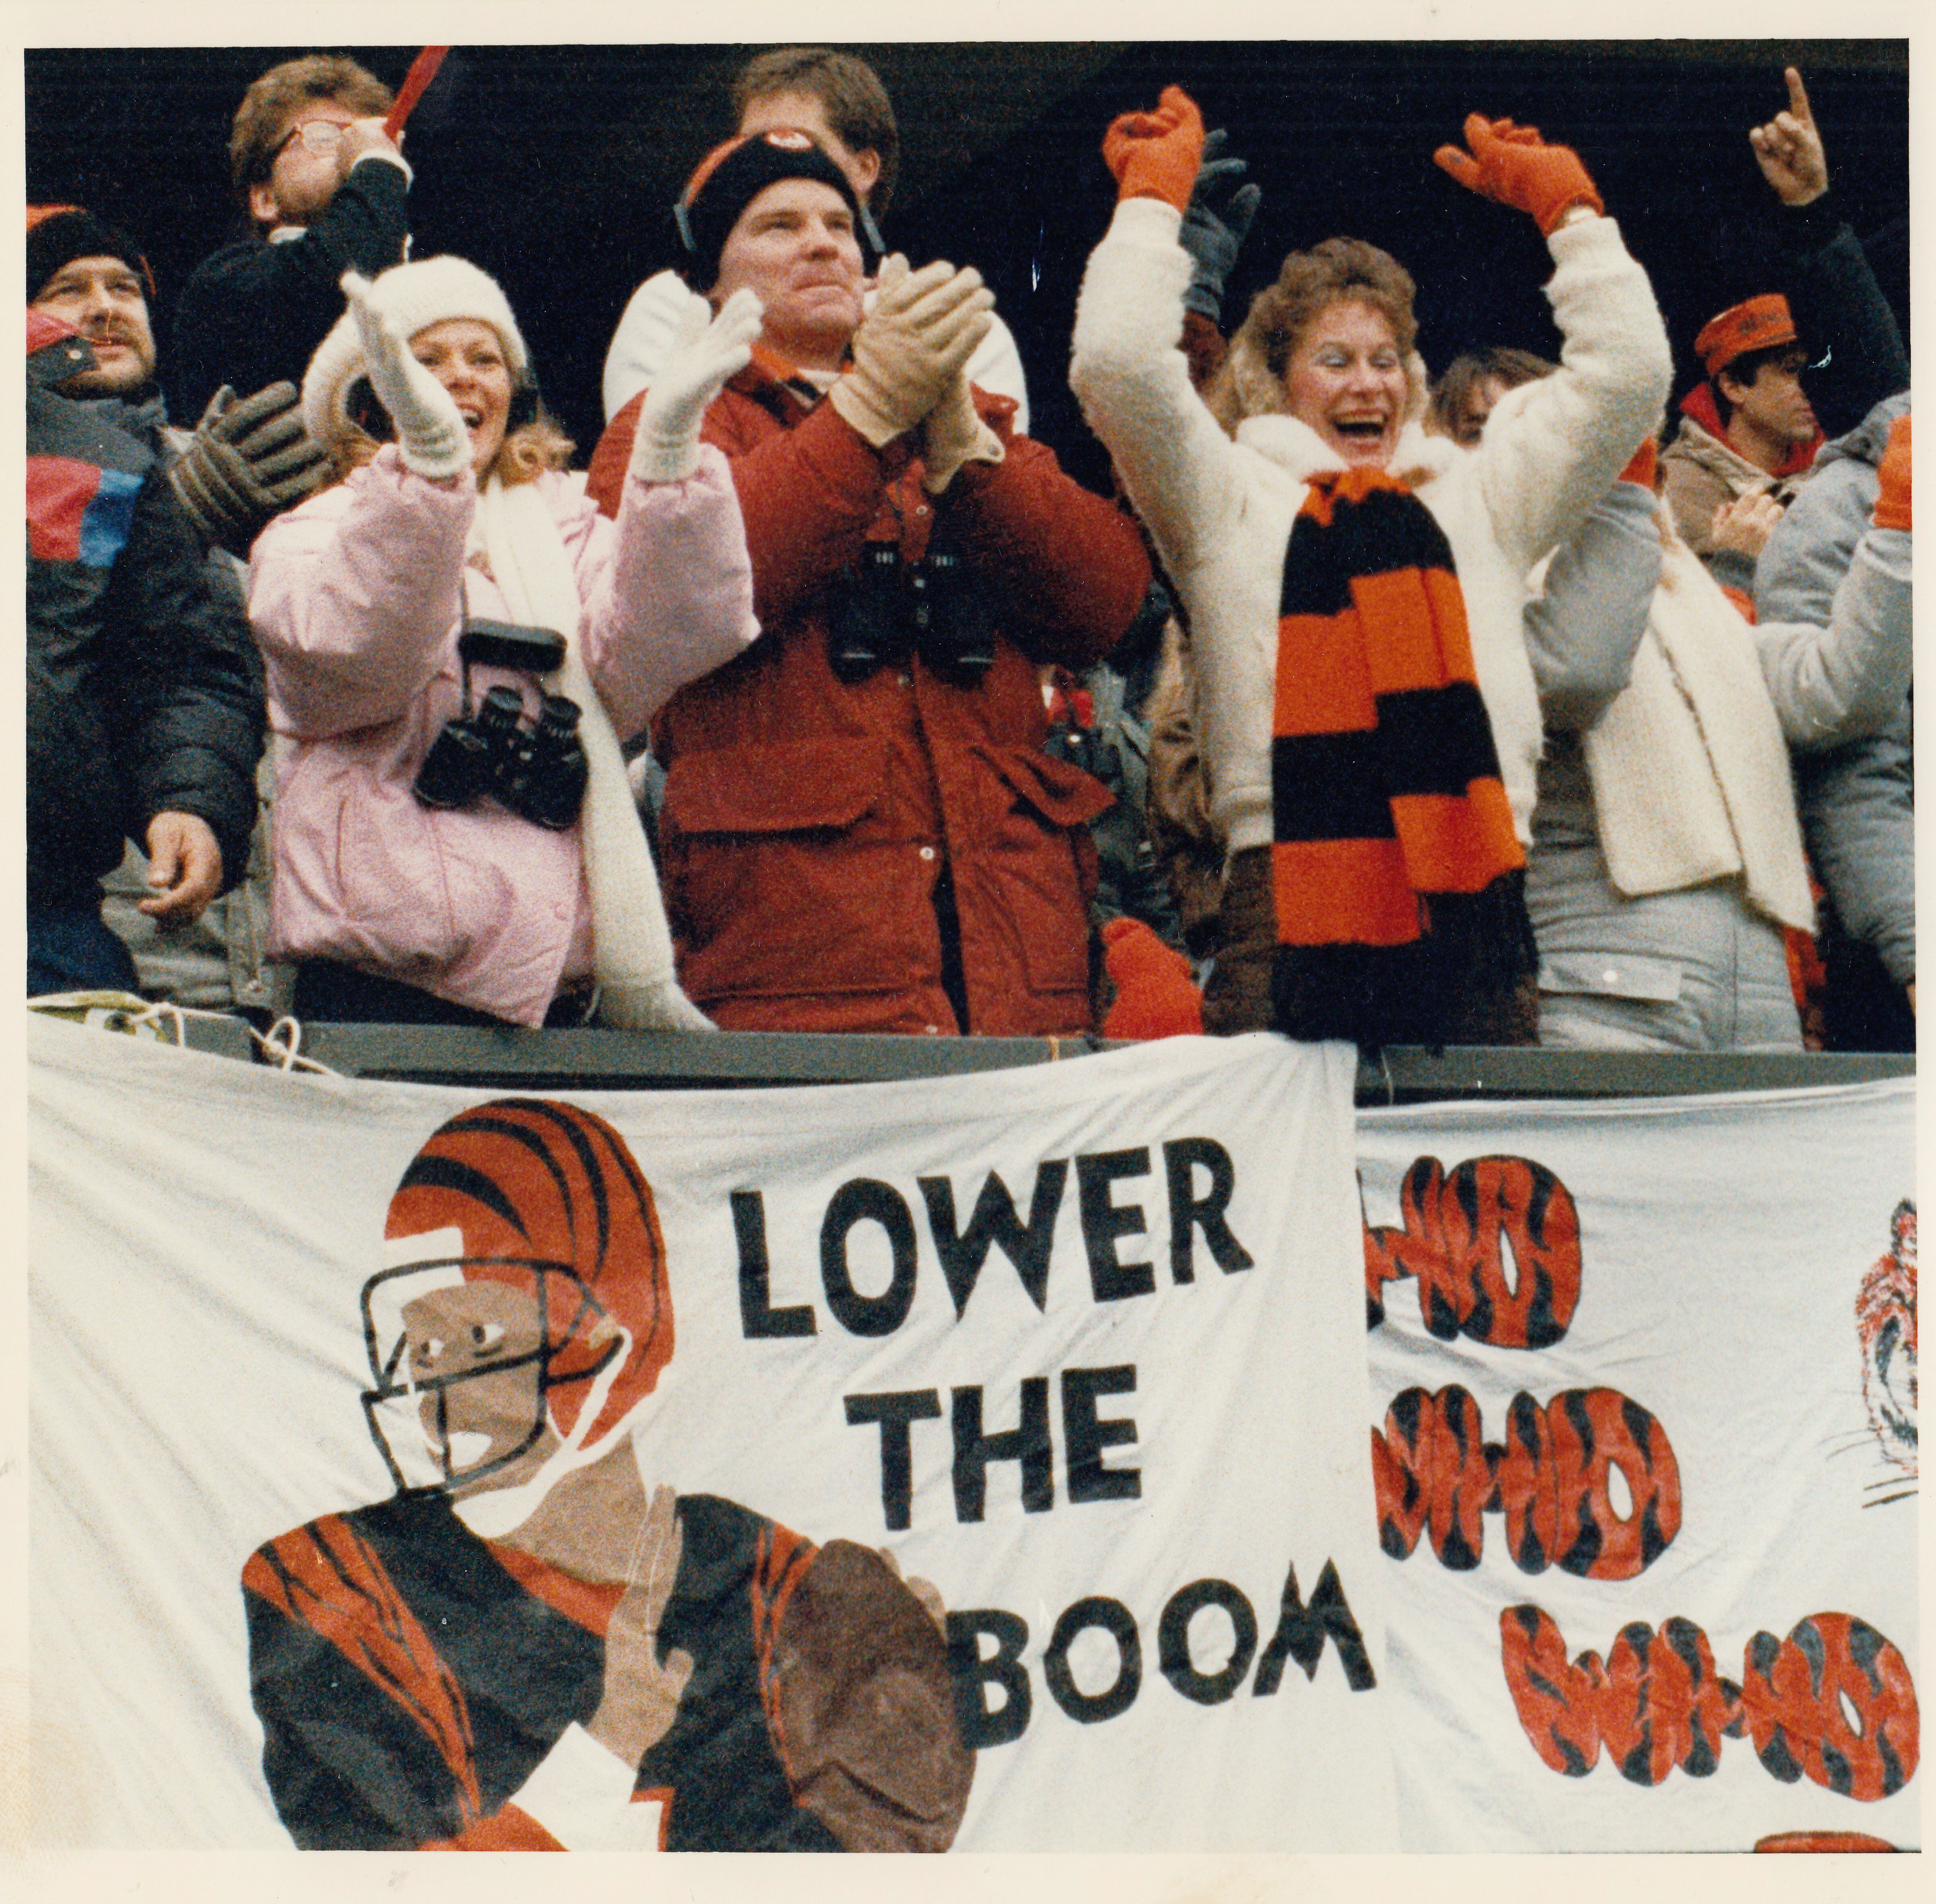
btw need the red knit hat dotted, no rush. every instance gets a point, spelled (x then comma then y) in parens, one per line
(1759, 323)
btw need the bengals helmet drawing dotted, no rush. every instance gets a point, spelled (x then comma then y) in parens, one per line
(543, 1201)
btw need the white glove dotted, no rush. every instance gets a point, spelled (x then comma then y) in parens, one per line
(707, 353)
(430, 433)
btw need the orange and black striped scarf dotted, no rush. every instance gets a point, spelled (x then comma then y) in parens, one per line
(1398, 883)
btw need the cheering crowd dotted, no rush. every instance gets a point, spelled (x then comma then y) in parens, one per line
(1483, 709)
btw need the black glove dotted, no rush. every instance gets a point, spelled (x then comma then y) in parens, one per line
(1219, 214)
(246, 463)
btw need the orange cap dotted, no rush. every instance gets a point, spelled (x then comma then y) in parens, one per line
(1758, 324)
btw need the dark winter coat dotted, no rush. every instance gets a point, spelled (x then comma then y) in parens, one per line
(1840, 314)
(144, 687)
(253, 313)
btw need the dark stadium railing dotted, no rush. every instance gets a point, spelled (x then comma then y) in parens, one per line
(618, 1061)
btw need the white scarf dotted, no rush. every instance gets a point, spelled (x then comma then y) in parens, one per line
(631, 943)
(1689, 765)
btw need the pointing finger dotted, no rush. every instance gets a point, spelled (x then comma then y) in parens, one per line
(1798, 96)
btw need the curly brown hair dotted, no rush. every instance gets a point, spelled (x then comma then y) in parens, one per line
(263, 117)
(1339, 270)
(524, 455)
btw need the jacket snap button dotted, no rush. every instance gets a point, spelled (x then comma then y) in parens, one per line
(927, 852)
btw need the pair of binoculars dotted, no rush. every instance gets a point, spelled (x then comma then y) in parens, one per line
(537, 771)
(885, 609)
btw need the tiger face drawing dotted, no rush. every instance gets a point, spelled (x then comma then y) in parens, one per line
(1885, 1325)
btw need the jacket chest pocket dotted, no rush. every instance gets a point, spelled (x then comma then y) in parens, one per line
(1024, 882)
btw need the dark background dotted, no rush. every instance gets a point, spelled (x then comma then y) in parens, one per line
(553, 167)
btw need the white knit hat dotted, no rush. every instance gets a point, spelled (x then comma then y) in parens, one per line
(415, 296)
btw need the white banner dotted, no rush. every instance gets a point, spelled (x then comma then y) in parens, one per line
(1080, 1345)
(1645, 1394)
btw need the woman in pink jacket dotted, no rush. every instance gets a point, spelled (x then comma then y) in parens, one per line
(435, 861)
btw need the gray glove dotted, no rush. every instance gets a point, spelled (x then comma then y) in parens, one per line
(1214, 224)
(246, 464)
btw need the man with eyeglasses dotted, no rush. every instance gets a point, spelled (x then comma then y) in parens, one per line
(324, 188)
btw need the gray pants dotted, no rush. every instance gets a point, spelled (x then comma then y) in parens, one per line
(1699, 969)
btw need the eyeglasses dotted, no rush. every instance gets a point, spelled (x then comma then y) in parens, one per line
(320, 135)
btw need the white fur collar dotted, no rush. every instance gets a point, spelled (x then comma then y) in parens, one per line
(1300, 452)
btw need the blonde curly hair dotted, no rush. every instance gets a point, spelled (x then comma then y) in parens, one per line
(524, 455)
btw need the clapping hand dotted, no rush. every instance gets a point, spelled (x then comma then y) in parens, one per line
(708, 351)
(910, 348)
(431, 435)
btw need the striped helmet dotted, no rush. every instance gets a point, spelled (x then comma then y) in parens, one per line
(545, 1198)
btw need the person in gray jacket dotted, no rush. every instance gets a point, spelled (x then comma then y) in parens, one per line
(1667, 855)
(1857, 801)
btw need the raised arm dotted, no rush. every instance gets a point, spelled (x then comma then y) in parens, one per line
(1133, 380)
(356, 602)
(223, 331)
(1582, 629)
(1550, 450)
(1839, 311)
(1843, 678)
(668, 589)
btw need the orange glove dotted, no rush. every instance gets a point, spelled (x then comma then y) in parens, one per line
(1155, 996)
(1514, 164)
(1156, 154)
(1643, 466)
(1891, 506)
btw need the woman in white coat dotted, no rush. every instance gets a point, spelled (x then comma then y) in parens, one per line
(1321, 387)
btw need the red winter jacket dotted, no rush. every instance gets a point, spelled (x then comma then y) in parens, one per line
(807, 821)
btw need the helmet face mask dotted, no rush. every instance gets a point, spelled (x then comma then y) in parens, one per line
(522, 1315)
(463, 1353)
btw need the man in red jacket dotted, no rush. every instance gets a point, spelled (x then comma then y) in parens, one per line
(860, 831)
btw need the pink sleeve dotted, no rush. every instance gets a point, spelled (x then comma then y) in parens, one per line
(668, 589)
(354, 598)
